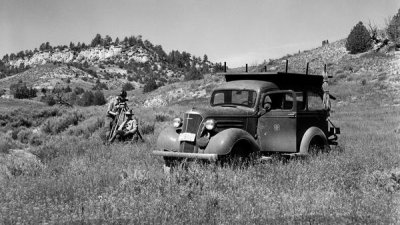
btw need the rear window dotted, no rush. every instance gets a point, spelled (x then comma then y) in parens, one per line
(314, 101)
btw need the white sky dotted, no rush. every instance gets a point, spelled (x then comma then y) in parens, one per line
(234, 31)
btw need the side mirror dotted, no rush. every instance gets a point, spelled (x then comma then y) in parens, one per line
(264, 109)
(267, 106)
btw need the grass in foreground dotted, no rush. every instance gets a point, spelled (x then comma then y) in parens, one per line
(86, 181)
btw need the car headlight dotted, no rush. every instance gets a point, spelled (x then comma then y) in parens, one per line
(209, 124)
(177, 122)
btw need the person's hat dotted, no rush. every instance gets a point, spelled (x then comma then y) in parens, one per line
(123, 94)
(129, 112)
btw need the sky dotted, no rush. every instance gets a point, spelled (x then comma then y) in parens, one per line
(232, 31)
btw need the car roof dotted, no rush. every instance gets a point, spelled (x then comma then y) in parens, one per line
(256, 85)
(283, 80)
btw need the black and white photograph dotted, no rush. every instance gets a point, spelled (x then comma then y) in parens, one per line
(199, 112)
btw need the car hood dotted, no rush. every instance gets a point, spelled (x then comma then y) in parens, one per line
(220, 111)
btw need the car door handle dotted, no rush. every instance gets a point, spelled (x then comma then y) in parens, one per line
(292, 115)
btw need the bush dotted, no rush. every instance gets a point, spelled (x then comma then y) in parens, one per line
(363, 82)
(150, 85)
(146, 128)
(24, 136)
(20, 90)
(79, 90)
(86, 99)
(56, 125)
(130, 78)
(193, 74)
(393, 29)
(359, 39)
(6, 143)
(162, 117)
(49, 100)
(98, 98)
(35, 140)
(128, 87)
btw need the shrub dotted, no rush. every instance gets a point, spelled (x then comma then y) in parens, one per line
(363, 82)
(128, 86)
(20, 90)
(146, 128)
(35, 140)
(56, 125)
(6, 143)
(359, 39)
(393, 29)
(98, 98)
(86, 99)
(24, 136)
(87, 127)
(162, 117)
(49, 100)
(193, 74)
(150, 85)
(79, 90)
(100, 86)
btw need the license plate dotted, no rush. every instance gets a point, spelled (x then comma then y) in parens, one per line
(187, 137)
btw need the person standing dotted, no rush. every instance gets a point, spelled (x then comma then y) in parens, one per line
(114, 108)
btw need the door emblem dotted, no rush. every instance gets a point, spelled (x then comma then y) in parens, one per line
(277, 127)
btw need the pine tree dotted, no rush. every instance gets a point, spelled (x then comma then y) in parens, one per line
(205, 58)
(6, 58)
(359, 39)
(107, 40)
(96, 40)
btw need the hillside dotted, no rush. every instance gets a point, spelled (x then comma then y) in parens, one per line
(55, 167)
(373, 76)
(110, 62)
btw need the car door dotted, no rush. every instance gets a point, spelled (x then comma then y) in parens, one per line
(277, 124)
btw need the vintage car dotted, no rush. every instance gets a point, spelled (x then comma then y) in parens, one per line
(265, 113)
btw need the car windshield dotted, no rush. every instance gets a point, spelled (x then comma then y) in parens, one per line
(245, 98)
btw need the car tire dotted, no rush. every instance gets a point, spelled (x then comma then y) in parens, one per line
(317, 146)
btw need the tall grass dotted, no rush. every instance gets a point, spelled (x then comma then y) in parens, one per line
(85, 181)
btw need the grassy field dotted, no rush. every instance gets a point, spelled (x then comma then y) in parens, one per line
(86, 182)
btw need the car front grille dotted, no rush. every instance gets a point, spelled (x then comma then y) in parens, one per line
(191, 124)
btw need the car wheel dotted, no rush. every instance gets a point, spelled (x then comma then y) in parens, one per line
(317, 146)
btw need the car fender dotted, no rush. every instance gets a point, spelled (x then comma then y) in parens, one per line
(308, 136)
(168, 140)
(223, 142)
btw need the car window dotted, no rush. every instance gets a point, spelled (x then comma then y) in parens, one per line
(245, 98)
(282, 101)
(314, 101)
(300, 100)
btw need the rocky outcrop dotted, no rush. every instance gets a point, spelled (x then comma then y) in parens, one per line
(156, 101)
(93, 55)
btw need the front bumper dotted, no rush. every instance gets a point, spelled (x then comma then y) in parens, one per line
(209, 157)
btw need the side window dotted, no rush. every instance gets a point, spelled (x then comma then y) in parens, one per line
(282, 101)
(219, 98)
(314, 101)
(300, 100)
